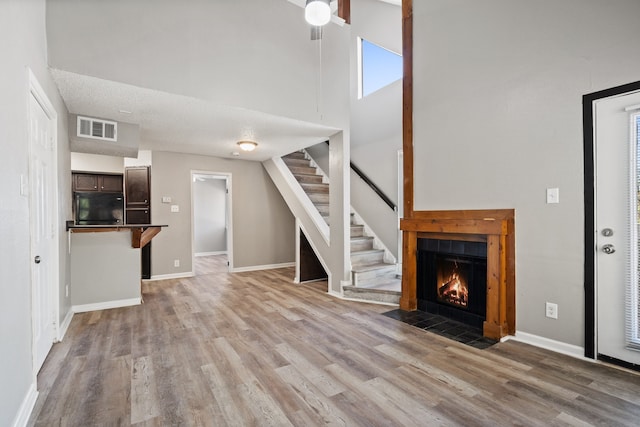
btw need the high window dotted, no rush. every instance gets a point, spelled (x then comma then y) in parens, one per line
(378, 67)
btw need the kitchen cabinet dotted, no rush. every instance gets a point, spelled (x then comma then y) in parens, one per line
(137, 195)
(138, 216)
(108, 183)
(137, 188)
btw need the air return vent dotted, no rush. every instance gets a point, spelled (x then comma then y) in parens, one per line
(97, 129)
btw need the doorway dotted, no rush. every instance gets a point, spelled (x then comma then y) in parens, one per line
(611, 225)
(211, 216)
(43, 208)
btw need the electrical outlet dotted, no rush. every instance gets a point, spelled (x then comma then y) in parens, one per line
(551, 310)
(166, 199)
(176, 263)
(175, 208)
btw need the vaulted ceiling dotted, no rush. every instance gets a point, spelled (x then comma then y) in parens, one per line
(198, 77)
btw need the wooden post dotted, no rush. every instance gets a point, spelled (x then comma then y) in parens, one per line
(409, 299)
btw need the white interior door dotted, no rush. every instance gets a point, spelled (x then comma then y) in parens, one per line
(41, 191)
(616, 171)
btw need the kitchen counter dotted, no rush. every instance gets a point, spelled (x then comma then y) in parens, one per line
(105, 264)
(141, 234)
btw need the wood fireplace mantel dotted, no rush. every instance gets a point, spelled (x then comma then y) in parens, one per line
(497, 228)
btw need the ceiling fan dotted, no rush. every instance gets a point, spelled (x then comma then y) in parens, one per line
(314, 8)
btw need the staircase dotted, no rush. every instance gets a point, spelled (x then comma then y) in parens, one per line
(373, 277)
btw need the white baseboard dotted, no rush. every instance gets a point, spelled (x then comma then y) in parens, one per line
(262, 267)
(106, 305)
(171, 276)
(29, 401)
(65, 324)
(549, 344)
(210, 253)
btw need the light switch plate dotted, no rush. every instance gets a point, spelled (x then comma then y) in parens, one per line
(553, 195)
(166, 199)
(175, 208)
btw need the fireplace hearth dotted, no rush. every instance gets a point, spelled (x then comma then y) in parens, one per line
(451, 278)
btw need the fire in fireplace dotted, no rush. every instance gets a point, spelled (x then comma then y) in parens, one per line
(452, 281)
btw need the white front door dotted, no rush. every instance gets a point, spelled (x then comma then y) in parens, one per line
(41, 190)
(616, 122)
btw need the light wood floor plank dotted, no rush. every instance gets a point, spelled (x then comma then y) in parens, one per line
(254, 349)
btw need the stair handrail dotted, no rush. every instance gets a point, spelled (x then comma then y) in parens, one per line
(372, 185)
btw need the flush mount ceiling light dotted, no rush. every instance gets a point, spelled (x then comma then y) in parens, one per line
(317, 12)
(247, 145)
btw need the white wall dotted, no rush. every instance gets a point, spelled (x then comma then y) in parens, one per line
(376, 121)
(254, 54)
(83, 162)
(22, 29)
(263, 226)
(209, 216)
(498, 91)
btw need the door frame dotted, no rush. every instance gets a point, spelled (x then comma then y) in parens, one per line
(37, 92)
(228, 210)
(588, 101)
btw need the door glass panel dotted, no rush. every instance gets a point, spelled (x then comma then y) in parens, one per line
(633, 291)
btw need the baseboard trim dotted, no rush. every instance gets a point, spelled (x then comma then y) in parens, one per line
(65, 324)
(106, 305)
(170, 276)
(210, 253)
(262, 267)
(28, 403)
(549, 344)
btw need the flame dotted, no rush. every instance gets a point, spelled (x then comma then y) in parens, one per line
(454, 289)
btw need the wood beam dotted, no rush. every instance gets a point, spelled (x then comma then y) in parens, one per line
(407, 107)
(344, 10)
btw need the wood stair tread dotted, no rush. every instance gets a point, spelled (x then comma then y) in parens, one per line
(370, 267)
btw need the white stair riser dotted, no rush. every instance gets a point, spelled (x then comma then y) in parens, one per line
(366, 295)
(367, 258)
(357, 230)
(361, 245)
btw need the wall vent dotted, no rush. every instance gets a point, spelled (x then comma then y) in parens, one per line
(97, 129)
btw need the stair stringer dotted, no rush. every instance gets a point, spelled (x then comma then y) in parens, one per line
(307, 217)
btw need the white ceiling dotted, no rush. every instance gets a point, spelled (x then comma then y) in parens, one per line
(178, 123)
(170, 122)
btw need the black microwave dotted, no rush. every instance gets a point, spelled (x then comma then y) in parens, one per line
(97, 208)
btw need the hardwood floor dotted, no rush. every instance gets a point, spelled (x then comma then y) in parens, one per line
(254, 349)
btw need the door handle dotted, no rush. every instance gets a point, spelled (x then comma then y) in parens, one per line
(608, 249)
(37, 259)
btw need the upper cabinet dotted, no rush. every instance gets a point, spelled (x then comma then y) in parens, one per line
(137, 188)
(109, 183)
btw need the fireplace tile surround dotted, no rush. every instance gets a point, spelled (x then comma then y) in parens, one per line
(496, 229)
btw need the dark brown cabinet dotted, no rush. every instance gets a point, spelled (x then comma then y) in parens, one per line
(138, 216)
(109, 183)
(137, 190)
(137, 195)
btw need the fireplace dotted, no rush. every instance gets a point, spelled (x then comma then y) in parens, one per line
(494, 230)
(452, 279)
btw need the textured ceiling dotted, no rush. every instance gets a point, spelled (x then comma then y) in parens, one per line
(170, 122)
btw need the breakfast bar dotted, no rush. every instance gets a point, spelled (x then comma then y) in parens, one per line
(105, 264)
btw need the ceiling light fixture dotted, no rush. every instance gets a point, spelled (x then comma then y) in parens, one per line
(247, 145)
(317, 12)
